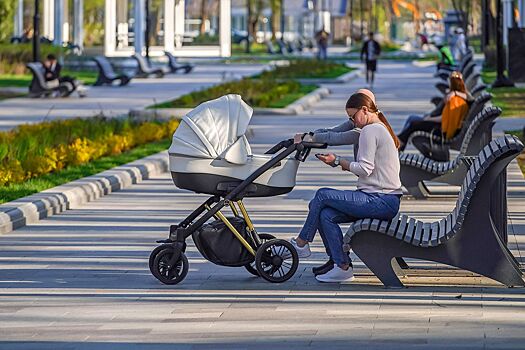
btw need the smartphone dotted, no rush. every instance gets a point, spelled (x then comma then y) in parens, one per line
(320, 154)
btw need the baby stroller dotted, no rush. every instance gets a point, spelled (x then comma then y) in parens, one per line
(210, 154)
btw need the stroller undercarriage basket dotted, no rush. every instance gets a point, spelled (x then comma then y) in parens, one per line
(218, 244)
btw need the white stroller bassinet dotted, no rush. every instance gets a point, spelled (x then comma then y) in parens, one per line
(210, 153)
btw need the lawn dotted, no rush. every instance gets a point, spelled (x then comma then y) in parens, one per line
(11, 80)
(263, 93)
(510, 99)
(7, 94)
(308, 69)
(41, 183)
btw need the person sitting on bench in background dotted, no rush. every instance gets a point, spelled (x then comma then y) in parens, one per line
(449, 122)
(52, 72)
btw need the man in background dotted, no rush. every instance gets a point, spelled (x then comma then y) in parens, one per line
(370, 53)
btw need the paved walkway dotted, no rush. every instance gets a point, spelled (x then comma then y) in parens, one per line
(114, 100)
(79, 280)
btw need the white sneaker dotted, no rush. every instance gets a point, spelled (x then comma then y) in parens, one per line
(302, 252)
(336, 275)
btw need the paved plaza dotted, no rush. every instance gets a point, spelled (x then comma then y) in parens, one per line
(80, 280)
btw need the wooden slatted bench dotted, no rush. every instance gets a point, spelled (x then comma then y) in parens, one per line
(416, 168)
(467, 238)
(106, 74)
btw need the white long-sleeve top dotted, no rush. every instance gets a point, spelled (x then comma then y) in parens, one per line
(377, 164)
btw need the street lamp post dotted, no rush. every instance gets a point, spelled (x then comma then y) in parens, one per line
(36, 32)
(501, 79)
(147, 29)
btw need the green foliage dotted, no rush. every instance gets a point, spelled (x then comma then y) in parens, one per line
(256, 92)
(23, 80)
(34, 150)
(35, 185)
(205, 39)
(14, 57)
(307, 68)
(7, 11)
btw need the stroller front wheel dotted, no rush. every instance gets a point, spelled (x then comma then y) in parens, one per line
(276, 260)
(166, 273)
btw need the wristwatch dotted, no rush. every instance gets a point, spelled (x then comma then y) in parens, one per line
(337, 161)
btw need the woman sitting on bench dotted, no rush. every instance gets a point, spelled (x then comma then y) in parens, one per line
(378, 189)
(449, 122)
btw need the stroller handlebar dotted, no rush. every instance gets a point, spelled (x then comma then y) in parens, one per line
(313, 145)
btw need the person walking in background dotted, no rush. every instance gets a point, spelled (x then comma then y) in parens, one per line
(460, 45)
(321, 37)
(370, 53)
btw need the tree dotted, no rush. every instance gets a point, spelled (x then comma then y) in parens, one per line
(277, 7)
(7, 11)
(204, 16)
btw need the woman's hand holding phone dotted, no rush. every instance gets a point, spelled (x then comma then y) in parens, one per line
(327, 158)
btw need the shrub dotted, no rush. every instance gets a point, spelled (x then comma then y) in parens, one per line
(14, 57)
(256, 92)
(37, 149)
(307, 68)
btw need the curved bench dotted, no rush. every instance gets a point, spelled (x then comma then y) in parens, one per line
(144, 69)
(468, 238)
(175, 66)
(421, 139)
(416, 168)
(106, 74)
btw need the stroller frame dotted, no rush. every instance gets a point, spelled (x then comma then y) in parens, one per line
(168, 262)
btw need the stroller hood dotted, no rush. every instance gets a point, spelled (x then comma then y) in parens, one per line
(215, 129)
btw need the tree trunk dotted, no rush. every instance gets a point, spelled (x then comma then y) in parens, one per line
(204, 17)
(276, 11)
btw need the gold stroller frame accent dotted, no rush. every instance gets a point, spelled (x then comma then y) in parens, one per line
(246, 217)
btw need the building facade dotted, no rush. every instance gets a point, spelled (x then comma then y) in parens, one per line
(186, 28)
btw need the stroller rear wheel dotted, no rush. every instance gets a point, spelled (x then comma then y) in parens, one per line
(251, 268)
(166, 273)
(276, 260)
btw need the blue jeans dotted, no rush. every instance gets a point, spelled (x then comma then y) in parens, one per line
(331, 207)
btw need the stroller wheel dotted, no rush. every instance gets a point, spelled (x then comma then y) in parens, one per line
(276, 260)
(170, 274)
(153, 255)
(251, 268)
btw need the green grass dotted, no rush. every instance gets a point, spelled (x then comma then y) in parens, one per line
(35, 185)
(23, 80)
(292, 97)
(521, 157)
(510, 99)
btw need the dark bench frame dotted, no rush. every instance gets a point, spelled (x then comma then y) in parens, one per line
(106, 74)
(470, 238)
(416, 168)
(174, 66)
(144, 69)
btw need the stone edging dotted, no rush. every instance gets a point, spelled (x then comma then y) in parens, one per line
(294, 108)
(31, 209)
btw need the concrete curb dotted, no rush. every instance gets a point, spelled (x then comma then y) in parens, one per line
(293, 108)
(31, 209)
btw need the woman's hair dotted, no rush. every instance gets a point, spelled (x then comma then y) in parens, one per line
(359, 100)
(456, 82)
